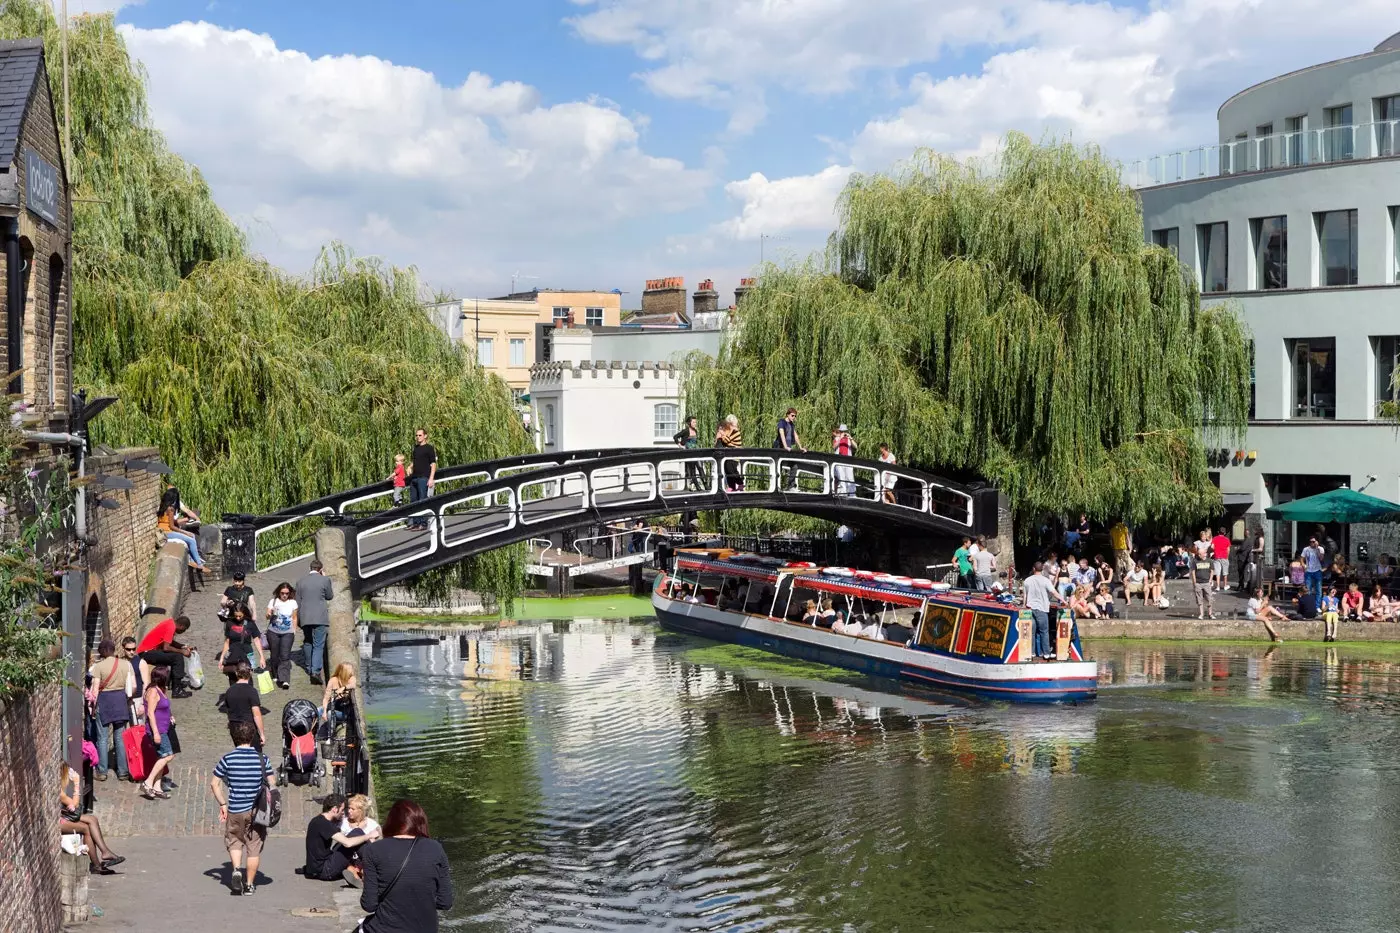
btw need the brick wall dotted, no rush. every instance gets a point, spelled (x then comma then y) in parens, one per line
(29, 891)
(47, 349)
(120, 562)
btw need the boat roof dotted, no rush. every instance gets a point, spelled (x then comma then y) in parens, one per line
(757, 567)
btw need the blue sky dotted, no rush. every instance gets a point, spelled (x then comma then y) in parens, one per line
(595, 143)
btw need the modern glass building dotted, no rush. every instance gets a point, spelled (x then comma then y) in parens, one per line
(1293, 215)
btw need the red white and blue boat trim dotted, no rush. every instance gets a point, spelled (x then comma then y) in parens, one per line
(964, 642)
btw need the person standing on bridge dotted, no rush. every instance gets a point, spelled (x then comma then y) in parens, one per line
(843, 445)
(788, 440)
(688, 438)
(730, 436)
(314, 615)
(424, 474)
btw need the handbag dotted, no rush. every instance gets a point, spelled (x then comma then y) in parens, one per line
(174, 738)
(263, 681)
(395, 881)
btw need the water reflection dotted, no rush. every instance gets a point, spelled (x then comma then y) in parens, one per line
(605, 775)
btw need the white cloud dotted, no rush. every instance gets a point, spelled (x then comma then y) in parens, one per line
(1136, 82)
(801, 202)
(481, 175)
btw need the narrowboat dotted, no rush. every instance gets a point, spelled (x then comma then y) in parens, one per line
(912, 630)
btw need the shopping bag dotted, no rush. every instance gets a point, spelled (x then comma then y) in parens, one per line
(194, 671)
(134, 738)
(263, 681)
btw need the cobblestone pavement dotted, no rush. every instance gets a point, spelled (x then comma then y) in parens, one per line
(175, 856)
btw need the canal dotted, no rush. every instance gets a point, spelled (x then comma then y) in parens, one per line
(606, 775)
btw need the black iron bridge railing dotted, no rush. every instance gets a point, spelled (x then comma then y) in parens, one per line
(390, 546)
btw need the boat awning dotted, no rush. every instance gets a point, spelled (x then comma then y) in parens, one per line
(728, 568)
(847, 587)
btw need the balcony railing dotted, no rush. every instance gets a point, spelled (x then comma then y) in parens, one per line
(1353, 142)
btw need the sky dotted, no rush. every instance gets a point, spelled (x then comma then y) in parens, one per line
(598, 143)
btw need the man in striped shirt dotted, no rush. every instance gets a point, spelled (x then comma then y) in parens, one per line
(235, 783)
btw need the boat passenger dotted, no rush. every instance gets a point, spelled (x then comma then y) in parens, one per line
(727, 593)
(897, 631)
(872, 630)
(810, 615)
(828, 614)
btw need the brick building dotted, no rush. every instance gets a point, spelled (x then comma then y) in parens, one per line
(35, 331)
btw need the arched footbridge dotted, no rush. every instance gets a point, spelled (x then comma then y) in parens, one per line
(482, 506)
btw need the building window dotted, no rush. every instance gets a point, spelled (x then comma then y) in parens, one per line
(1295, 132)
(517, 394)
(593, 317)
(1214, 256)
(1395, 244)
(1337, 134)
(1270, 236)
(1387, 350)
(1169, 238)
(55, 292)
(517, 351)
(1336, 240)
(486, 351)
(1264, 145)
(666, 423)
(561, 314)
(549, 424)
(1314, 377)
(1388, 125)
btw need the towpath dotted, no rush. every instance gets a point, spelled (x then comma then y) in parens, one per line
(176, 871)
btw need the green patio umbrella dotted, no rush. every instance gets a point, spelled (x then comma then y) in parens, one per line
(1338, 505)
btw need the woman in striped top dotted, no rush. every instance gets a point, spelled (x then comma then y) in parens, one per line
(729, 435)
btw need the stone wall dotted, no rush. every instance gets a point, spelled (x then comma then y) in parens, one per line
(29, 890)
(119, 563)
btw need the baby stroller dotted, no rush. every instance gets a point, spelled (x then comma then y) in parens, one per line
(300, 762)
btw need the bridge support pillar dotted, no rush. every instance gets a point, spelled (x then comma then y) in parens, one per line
(636, 581)
(561, 584)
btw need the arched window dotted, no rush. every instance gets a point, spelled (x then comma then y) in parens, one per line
(55, 296)
(665, 423)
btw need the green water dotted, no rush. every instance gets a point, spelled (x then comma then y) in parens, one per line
(607, 775)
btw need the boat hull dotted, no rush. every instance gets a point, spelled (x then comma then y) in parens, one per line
(1056, 682)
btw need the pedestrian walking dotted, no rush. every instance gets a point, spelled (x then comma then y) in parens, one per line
(887, 457)
(424, 475)
(242, 703)
(282, 613)
(238, 777)
(788, 441)
(1120, 538)
(114, 683)
(159, 720)
(407, 880)
(1202, 586)
(314, 615)
(242, 642)
(238, 592)
(399, 477)
(843, 445)
(728, 436)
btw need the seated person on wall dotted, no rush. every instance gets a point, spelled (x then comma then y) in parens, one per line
(72, 819)
(161, 647)
(1103, 600)
(328, 849)
(1306, 605)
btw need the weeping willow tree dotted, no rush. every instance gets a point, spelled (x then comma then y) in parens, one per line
(1003, 318)
(262, 389)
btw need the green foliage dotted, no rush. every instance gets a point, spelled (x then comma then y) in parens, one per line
(260, 388)
(36, 508)
(1004, 319)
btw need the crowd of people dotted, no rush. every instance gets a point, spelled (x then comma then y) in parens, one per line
(132, 725)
